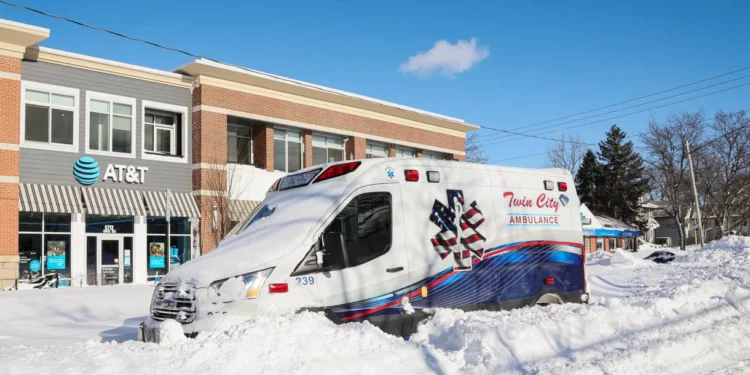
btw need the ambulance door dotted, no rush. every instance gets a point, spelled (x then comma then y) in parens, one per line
(371, 225)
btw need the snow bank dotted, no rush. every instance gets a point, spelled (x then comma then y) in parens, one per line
(689, 316)
(619, 258)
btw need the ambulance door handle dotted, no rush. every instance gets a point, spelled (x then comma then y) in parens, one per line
(395, 269)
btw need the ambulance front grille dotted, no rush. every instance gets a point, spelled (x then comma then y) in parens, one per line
(174, 301)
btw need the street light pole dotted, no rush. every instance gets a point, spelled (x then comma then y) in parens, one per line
(695, 194)
(169, 246)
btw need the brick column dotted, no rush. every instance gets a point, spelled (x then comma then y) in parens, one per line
(263, 147)
(419, 153)
(10, 120)
(209, 173)
(457, 157)
(308, 157)
(357, 147)
(391, 151)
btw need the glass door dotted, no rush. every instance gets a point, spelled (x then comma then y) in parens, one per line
(110, 261)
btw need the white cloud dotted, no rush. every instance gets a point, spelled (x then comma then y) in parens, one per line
(446, 59)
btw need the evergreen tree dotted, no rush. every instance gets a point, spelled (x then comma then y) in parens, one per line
(623, 181)
(587, 178)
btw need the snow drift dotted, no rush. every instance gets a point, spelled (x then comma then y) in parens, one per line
(689, 316)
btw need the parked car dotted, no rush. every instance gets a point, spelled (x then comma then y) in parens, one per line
(661, 257)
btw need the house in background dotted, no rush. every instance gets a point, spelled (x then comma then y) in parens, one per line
(668, 233)
(602, 232)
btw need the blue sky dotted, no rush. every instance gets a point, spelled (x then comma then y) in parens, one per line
(547, 59)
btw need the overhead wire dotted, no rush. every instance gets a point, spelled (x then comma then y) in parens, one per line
(497, 140)
(504, 131)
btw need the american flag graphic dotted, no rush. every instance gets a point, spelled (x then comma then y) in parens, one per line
(458, 223)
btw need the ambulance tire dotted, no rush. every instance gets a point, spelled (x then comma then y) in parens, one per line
(549, 299)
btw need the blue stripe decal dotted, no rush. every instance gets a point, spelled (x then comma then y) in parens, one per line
(505, 275)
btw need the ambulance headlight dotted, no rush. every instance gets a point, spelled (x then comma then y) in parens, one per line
(247, 286)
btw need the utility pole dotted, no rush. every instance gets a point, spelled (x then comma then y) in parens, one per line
(695, 193)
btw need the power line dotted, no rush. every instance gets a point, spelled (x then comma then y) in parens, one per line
(545, 152)
(718, 138)
(638, 147)
(534, 136)
(642, 97)
(157, 45)
(631, 107)
(641, 111)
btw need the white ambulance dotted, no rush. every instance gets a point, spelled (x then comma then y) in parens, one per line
(387, 241)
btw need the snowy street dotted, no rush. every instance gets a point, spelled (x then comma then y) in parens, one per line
(691, 316)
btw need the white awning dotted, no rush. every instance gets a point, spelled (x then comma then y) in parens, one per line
(49, 198)
(239, 209)
(102, 201)
(182, 204)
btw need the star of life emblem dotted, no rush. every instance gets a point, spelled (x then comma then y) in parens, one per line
(459, 235)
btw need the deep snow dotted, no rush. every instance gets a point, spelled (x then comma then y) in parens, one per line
(690, 316)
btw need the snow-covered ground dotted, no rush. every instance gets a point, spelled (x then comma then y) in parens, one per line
(690, 316)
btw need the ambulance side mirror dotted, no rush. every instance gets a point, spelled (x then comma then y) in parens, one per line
(334, 255)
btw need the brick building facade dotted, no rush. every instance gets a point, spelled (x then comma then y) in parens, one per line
(242, 131)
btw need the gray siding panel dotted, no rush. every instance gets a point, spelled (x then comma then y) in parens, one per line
(55, 167)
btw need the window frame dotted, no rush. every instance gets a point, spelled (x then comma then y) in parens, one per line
(51, 89)
(43, 232)
(434, 155)
(178, 109)
(401, 149)
(286, 145)
(249, 139)
(112, 99)
(390, 227)
(329, 146)
(368, 148)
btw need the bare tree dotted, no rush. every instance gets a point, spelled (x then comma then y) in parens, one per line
(725, 168)
(567, 153)
(668, 164)
(224, 183)
(474, 151)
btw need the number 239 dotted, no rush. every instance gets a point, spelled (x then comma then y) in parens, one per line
(305, 280)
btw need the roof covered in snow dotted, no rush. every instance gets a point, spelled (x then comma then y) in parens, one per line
(598, 224)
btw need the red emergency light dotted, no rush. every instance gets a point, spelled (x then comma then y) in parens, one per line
(411, 175)
(338, 170)
(562, 186)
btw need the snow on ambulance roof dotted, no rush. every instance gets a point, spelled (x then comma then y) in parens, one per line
(212, 68)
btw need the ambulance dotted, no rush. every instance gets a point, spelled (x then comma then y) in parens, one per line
(388, 241)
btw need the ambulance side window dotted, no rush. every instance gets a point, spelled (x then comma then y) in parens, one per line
(365, 224)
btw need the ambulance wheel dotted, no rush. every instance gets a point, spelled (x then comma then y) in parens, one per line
(549, 299)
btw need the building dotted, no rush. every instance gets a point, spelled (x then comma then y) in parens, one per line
(668, 233)
(602, 232)
(95, 152)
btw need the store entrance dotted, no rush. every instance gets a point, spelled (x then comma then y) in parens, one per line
(110, 260)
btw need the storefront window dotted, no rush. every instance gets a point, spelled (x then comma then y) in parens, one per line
(30, 222)
(44, 244)
(91, 260)
(156, 256)
(158, 225)
(29, 249)
(109, 224)
(127, 262)
(179, 247)
(57, 223)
